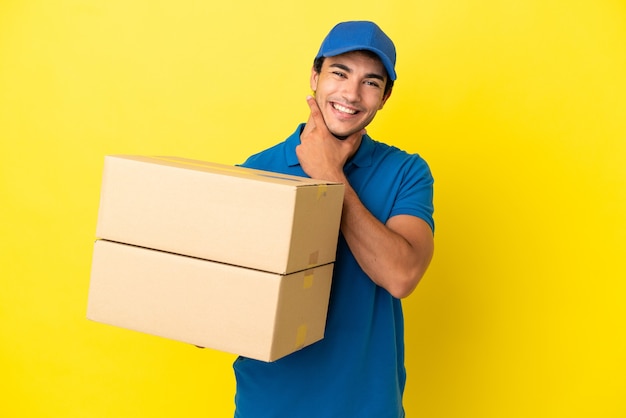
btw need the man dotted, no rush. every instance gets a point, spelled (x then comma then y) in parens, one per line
(385, 243)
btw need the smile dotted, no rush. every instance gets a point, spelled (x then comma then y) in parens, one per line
(344, 109)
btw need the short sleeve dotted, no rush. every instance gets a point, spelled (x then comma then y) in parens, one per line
(415, 195)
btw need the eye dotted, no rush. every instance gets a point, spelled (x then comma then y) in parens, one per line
(339, 74)
(372, 83)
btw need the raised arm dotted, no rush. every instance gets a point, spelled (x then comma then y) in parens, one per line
(394, 255)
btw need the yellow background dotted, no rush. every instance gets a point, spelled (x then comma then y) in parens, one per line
(519, 107)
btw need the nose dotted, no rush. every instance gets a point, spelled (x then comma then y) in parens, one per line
(351, 90)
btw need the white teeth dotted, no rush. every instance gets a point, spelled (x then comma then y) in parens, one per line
(344, 109)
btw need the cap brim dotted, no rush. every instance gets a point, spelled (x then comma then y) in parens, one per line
(391, 72)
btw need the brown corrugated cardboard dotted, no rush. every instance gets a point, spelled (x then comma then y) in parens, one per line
(252, 313)
(251, 218)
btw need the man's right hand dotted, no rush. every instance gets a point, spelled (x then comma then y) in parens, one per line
(321, 154)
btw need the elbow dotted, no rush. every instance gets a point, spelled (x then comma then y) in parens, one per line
(405, 285)
(406, 282)
(401, 293)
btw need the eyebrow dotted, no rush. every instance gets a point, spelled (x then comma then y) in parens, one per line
(349, 70)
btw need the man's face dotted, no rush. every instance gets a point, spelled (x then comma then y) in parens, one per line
(349, 90)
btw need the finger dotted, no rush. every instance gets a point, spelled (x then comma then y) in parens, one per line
(316, 113)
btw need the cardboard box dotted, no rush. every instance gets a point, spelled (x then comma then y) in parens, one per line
(250, 218)
(256, 314)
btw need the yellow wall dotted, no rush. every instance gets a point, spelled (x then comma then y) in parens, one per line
(520, 107)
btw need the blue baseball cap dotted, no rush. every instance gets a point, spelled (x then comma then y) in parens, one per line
(360, 35)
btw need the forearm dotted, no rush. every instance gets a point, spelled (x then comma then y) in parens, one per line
(393, 261)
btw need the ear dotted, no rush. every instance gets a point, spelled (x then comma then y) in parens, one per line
(314, 77)
(385, 97)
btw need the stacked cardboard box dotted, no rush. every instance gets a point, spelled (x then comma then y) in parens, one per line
(230, 258)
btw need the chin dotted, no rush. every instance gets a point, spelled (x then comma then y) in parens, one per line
(342, 135)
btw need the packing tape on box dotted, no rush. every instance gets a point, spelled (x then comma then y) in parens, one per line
(313, 257)
(300, 336)
(308, 279)
(321, 190)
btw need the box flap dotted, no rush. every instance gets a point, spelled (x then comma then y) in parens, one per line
(216, 168)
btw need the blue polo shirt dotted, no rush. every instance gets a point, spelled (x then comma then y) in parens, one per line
(357, 370)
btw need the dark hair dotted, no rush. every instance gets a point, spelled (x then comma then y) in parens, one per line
(318, 62)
